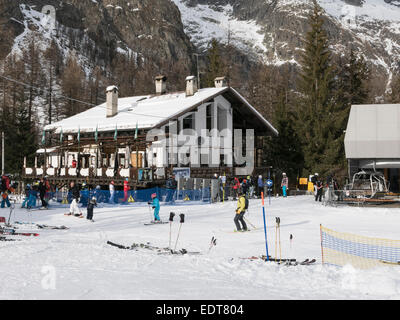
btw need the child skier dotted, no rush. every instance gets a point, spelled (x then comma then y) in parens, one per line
(92, 203)
(27, 194)
(240, 211)
(284, 184)
(156, 207)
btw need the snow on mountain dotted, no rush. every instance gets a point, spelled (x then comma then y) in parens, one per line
(204, 23)
(273, 29)
(44, 29)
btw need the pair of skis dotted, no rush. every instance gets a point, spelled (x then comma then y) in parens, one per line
(285, 262)
(12, 232)
(159, 250)
(42, 226)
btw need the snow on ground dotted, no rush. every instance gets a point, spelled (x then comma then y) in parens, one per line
(85, 267)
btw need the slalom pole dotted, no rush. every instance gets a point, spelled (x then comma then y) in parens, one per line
(182, 216)
(171, 218)
(265, 226)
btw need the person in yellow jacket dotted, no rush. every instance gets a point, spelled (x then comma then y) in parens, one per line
(240, 211)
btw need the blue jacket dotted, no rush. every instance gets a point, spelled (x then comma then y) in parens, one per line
(260, 182)
(156, 204)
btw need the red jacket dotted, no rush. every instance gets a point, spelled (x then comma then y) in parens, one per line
(126, 186)
(237, 184)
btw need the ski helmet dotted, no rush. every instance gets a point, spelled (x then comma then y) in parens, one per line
(153, 195)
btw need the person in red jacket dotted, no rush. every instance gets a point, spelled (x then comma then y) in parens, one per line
(126, 189)
(236, 188)
(74, 163)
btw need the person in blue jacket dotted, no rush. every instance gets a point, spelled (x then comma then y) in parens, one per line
(260, 185)
(156, 207)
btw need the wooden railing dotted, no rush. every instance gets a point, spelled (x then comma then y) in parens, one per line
(141, 174)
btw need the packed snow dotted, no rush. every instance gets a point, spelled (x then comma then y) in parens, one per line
(78, 264)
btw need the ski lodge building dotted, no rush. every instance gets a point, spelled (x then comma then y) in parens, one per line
(372, 141)
(119, 139)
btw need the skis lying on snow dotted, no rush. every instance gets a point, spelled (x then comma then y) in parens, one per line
(5, 239)
(152, 223)
(286, 262)
(42, 226)
(159, 250)
(11, 232)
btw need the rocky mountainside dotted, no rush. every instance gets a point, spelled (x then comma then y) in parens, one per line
(168, 31)
(272, 30)
(95, 30)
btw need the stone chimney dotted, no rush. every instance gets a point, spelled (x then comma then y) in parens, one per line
(112, 101)
(221, 82)
(191, 86)
(161, 84)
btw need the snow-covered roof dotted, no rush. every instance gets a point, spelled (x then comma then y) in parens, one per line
(373, 132)
(145, 111)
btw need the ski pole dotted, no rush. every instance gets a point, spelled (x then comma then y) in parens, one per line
(182, 216)
(265, 226)
(250, 223)
(171, 218)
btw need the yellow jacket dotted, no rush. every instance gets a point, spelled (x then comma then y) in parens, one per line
(241, 206)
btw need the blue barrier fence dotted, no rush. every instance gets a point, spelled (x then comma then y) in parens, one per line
(132, 196)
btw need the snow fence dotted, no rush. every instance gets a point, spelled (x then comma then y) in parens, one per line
(361, 252)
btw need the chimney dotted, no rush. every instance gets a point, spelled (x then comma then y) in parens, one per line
(220, 82)
(191, 86)
(161, 84)
(112, 101)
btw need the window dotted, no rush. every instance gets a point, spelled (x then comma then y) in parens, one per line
(188, 122)
(209, 116)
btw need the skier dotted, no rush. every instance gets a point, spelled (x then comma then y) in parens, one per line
(240, 211)
(245, 187)
(171, 187)
(126, 189)
(260, 185)
(156, 207)
(92, 203)
(85, 192)
(28, 189)
(314, 180)
(73, 208)
(319, 187)
(5, 189)
(112, 192)
(43, 188)
(284, 184)
(236, 188)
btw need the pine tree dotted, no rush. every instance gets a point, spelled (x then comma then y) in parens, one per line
(314, 112)
(284, 151)
(351, 88)
(215, 64)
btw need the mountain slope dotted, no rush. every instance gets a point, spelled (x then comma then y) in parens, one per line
(272, 30)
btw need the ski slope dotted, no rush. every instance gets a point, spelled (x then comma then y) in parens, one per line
(78, 264)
